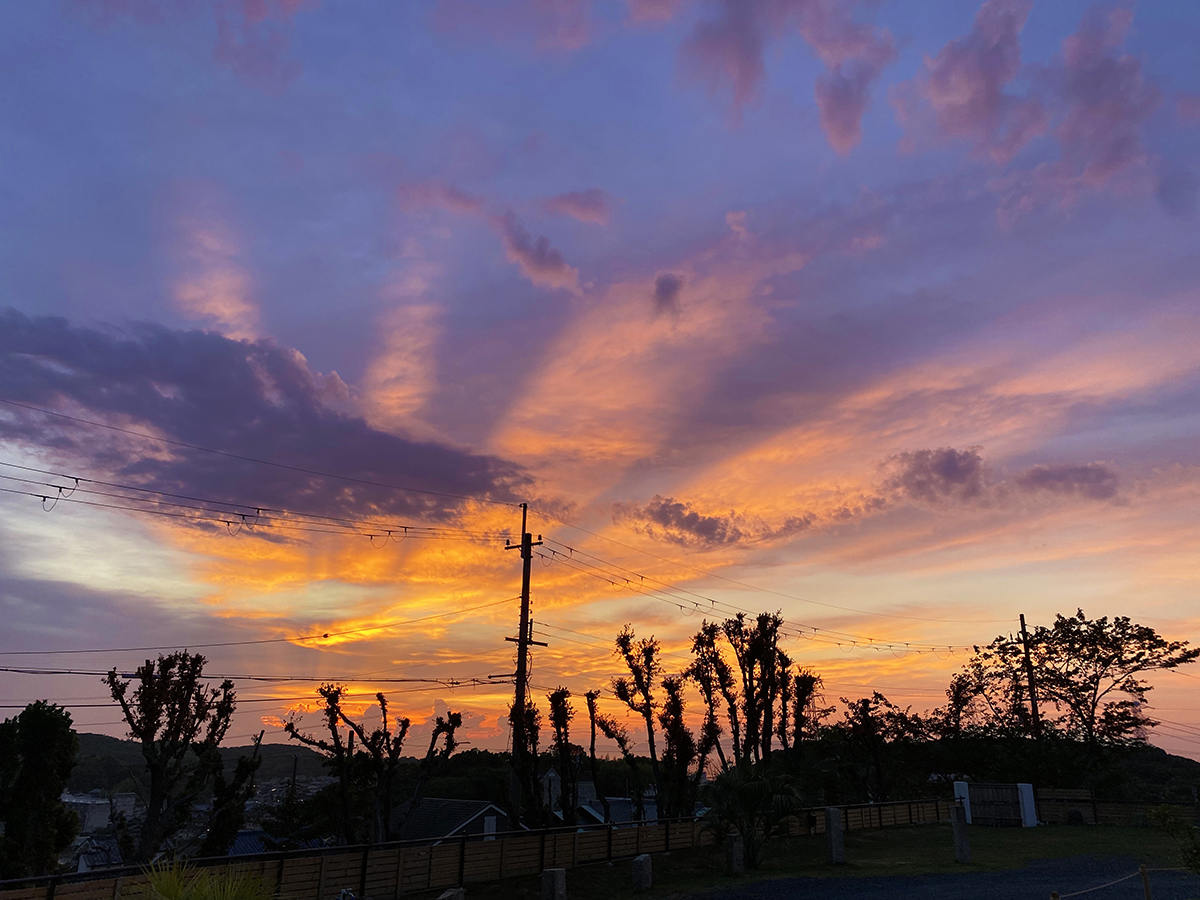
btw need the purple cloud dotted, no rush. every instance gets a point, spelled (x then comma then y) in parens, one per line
(679, 523)
(729, 50)
(537, 260)
(593, 206)
(933, 476)
(251, 398)
(1094, 481)
(253, 36)
(553, 24)
(667, 288)
(1108, 99)
(964, 87)
(437, 195)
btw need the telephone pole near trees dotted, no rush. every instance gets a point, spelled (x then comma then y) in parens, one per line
(523, 640)
(1033, 703)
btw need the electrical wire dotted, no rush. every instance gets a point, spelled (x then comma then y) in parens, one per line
(821, 635)
(251, 459)
(403, 528)
(709, 574)
(289, 640)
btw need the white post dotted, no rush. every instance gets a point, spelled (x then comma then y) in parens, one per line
(1029, 817)
(962, 792)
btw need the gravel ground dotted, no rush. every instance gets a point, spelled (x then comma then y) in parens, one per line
(1034, 882)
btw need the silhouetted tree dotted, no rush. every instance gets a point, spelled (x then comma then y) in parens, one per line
(1088, 681)
(286, 823)
(806, 713)
(761, 664)
(592, 697)
(229, 800)
(683, 759)
(338, 753)
(527, 724)
(874, 731)
(379, 757)
(180, 721)
(616, 732)
(37, 753)
(561, 714)
(444, 729)
(637, 691)
(715, 680)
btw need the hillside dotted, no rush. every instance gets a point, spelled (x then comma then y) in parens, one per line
(107, 763)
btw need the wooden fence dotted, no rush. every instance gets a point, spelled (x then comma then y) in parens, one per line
(390, 871)
(1069, 806)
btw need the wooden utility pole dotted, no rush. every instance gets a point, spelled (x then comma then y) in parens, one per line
(1033, 702)
(524, 638)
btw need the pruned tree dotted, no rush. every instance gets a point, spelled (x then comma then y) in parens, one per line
(684, 758)
(229, 800)
(715, 679)
(761, 664)
(444, 730)
(637, 691)
(806, 711)
(38, 747)
(593, 716)
(179, 721)
(561, 714)
(382, 746)
(338, 753)
(616, 732)
(379, 755)
(525, 725)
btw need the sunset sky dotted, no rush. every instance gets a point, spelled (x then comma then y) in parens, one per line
(885, 315)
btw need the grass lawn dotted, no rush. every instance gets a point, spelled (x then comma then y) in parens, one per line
(915, 850)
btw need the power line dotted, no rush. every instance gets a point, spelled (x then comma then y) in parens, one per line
(754, 587)
(256, 509)
(821, 635)
(311, 637)
(272, 679)
(239, 522)
(251, 459)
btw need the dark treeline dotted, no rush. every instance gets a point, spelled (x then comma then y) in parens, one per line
(741, 731)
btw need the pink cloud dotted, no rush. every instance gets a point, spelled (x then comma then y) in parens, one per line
(253, 36)
(653, 10)
(1187, 108)
(554, 24)
(854, 54)
(1102, 100)
(1108, 99)
(593, 206)
(729, 50)
(963, 87)
(438, 195)
(537, 260)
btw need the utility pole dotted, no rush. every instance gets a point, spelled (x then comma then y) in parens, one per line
(1033, 704)
(520, 740)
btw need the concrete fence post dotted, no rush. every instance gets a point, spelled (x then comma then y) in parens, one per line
(735, 855)
(835, 841)
(962, 843)
(642, 878)
(554, 884)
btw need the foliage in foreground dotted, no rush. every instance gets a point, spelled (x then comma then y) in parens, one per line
(178, 881)
(753, 803)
